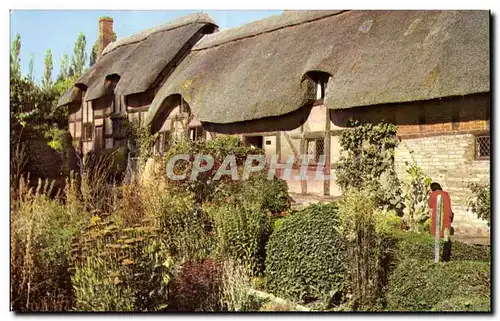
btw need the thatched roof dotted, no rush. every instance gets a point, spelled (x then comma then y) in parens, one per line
(373, 57)
(72, 95)
(139, 60)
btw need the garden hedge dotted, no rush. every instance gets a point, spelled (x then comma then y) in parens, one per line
(306, 257)
(464, 303)
(421, 285)
(421, 246)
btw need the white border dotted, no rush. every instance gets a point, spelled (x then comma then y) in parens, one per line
(175, 5)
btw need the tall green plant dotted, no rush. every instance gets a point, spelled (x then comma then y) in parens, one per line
(47, 73)
(368, 160)
(481, 203)
(241, 231)
(415, 195)
(15, 60)
(79, 55)
(366, 252)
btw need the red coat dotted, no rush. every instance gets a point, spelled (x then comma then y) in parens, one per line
(447, 213)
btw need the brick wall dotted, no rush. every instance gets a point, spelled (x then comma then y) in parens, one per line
(441, 133)
(449, 160)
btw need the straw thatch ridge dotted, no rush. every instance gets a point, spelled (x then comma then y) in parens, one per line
(201, 18)
(373, 57)
(139, 60)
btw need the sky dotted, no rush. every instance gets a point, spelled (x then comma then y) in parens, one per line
(58, 30)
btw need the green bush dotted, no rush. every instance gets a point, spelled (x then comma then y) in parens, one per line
(421, 247)
(203, 188)
(272, 195)
(464, 303)
(120, 269)
(481, 205)
(368, 255)
(368, 160)
(417, 285)
(306, 255)
(42, 231)
(242, 229)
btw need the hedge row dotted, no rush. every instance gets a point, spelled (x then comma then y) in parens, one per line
(421, 247)
(421, 285)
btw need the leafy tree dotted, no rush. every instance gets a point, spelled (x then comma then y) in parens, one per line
(63, 72)
(15, 60)
(30, 68)
(47, 74)
(79, 55)
(94, 53)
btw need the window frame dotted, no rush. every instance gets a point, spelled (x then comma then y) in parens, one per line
(86, 129)
(477, 146)
(315, 160)
(199, 133)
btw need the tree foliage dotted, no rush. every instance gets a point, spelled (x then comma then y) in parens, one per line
(30, 68)
(63, 71)
(79, 55)
(481, 204)
(15, 60)
(47, 73)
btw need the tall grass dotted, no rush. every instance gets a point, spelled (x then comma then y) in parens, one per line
(42, 228)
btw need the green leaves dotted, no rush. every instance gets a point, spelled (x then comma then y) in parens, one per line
(421, 285)
(481, 205)
(415, 197)
(306, 254)
(368, 160)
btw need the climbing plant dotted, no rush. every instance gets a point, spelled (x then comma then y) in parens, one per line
(368, 160)
(415, 195)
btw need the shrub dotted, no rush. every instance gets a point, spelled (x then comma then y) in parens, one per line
(421, 285)
(415, 194)
(272, 194)
(204, 187)
(481, 205)
(119, 269)
(368, 160)
(241, 230)
(96, 290)
(367, 255)
(306, 255)
(184, 227)
(197, 287)
(236, 283)
(42, 230)
(464, 303)
(421, 246)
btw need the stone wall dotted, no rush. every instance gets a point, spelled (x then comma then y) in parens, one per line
(449, 160)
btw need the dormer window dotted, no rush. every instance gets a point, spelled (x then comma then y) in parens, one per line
(320, 81)
(321, 88)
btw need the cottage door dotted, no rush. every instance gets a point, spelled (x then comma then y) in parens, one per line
(98, 141)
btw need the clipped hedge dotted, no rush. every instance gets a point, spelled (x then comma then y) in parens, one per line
(421, 247)
(418, 285)
(464, 303)
(306, 257)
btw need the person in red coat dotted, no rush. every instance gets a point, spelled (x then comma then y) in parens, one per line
(446, 219)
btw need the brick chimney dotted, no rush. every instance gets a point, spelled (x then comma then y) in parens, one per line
(105, 33)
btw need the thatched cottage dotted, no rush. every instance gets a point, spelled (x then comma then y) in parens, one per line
(126, 77)
(289, 83)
